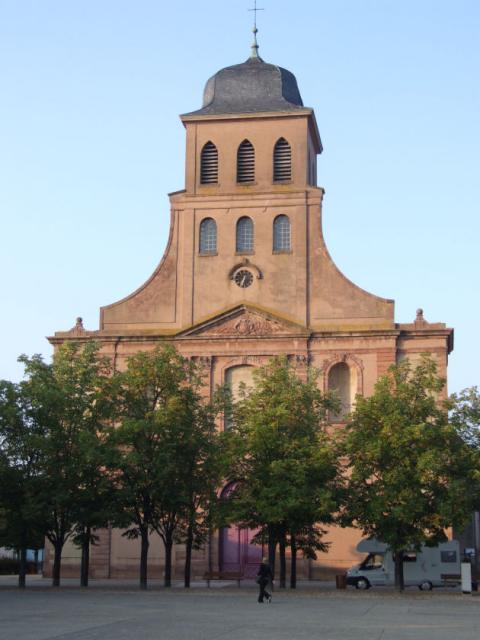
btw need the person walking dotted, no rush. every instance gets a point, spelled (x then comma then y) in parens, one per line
(264, 576)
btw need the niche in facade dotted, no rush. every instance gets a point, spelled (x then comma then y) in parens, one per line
(343, 380)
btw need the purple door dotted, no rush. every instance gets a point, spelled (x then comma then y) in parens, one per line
(237, 554)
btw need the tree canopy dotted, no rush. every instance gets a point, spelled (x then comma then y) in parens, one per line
(82, 446)
(411, 477)
(166, 452)
(22, 520)
(281, 458)
(69, 402)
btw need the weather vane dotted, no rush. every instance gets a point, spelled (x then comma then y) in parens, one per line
(255, 30)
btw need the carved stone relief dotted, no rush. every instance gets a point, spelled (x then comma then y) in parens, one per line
(248, 324)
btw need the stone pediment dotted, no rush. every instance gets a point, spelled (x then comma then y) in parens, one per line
(243, 322)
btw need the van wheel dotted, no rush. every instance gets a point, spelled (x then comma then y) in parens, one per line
(426, 585)
(362, 583)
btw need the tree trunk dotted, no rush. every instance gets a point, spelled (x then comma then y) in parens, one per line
(399, 581)
(35, 560)
(293, 569)
(57, 563)
(283, 563)
(144, 558)
(188, 556)
(272, 545)
(23, 567)
(85, 565)
(168, 561)
(210, 564)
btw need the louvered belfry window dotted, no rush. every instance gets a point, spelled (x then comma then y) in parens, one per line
(281, 233)
(246, 162)
(244, 240)
(282, 161)
(209, 164)
(208, 236)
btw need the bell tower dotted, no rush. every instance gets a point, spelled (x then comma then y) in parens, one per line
(250, 161)
(247, 227)
(254, 116)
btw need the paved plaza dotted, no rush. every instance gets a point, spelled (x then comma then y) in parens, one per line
(120, 611)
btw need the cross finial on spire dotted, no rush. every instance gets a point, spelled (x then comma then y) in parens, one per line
(254, 53)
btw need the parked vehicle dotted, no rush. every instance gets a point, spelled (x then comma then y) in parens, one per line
(430, 567)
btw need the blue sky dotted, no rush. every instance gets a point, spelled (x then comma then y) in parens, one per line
(91, 143)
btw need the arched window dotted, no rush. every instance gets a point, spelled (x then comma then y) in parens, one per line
(282, 161)
(244, 237)
(340, 380)
(209, 164)
(246, 162)
(208, 236)
(238, 379)
(281, 233)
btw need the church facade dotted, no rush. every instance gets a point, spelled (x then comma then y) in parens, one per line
(246, 276)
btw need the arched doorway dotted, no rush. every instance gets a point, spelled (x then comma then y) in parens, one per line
(237, 553)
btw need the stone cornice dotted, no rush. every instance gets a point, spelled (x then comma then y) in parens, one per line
(278, 197)
(256, 115)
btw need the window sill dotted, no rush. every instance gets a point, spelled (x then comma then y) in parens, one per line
(283, 181)
(277, 252)
(207, 254)
(244, 253)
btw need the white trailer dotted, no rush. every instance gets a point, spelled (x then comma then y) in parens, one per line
(430, 567)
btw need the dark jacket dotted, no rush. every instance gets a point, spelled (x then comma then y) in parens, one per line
(264, 572)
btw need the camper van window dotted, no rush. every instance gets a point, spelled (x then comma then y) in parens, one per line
(448, 556)
(372, 561)
(409, 556)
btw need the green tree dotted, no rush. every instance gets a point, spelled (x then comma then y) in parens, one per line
(409, 472)
(175, 422)
(201, 457)
(465, 414)
(165, 446)
(283, 461)
(22, 520)
(66, 400)
(97, 499)
(134, 465)
(311, 482)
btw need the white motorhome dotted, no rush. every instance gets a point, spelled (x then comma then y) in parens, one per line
(430, 567)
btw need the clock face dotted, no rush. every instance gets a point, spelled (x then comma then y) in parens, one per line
(243, 278)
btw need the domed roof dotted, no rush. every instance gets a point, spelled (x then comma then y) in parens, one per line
(250, 87)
